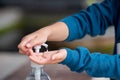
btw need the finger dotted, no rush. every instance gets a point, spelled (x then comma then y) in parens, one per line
(38, 59)
(22, 48)
(24, 44)
(22, 52)
(48, 54)
(34, 58)
(61, 55)
(41, 58)
(31, 52)
(56, 56)
(35, 41)
(24, 40)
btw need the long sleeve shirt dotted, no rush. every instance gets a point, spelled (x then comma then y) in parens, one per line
(94, 21)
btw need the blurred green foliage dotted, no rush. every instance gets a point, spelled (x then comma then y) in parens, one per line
(89, 2)
(15, 26)
(103, 49)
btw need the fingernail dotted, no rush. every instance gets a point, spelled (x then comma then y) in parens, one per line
(28, 45)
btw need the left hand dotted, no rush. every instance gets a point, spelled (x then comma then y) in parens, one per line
(50, 57)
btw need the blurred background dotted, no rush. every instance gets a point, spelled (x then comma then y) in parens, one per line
(21, 17)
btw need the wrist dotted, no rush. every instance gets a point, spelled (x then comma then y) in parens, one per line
(46, 32)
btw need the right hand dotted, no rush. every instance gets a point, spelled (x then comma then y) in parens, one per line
(35, 38)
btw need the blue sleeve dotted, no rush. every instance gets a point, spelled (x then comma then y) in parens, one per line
(95, 64)
(93, 21)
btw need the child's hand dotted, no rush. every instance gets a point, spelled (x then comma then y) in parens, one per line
(37, 37)
(50, 57)
(56, 32)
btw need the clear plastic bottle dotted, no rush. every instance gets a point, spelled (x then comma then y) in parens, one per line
(43, 76)
(37, 72)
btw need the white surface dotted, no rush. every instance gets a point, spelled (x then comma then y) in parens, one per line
(9, 16)
(118, 48)
(9, 62)
(100, 78)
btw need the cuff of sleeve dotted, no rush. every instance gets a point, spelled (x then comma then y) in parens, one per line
(73, 30)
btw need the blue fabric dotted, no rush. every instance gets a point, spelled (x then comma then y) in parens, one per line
(94, 21)
(94, 64)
